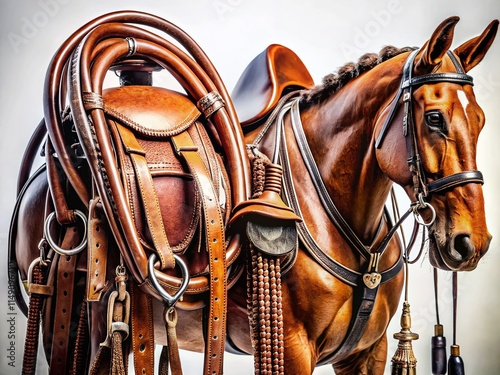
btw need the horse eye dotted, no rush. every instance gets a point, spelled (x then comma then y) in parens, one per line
(435, 120)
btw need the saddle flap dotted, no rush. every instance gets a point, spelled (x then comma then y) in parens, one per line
(151, 111)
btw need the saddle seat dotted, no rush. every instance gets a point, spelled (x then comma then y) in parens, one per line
(265, 80)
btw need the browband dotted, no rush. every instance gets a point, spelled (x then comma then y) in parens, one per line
(409, 82)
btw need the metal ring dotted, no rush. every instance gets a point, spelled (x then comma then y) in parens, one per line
(132, 46)
(169, 299)
(55, 246)
(423, 205)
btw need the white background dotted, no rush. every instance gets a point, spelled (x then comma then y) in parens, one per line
(325, 35)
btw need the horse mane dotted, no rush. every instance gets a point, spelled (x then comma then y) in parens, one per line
(334, 81)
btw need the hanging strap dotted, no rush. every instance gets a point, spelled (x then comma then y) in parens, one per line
(214, 227)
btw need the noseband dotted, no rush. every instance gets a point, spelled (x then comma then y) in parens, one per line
(421, 188)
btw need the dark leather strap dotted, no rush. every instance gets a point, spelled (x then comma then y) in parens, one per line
(326, 200)
(456, 179)
(364, 304)
(365, 294)
(60, 357)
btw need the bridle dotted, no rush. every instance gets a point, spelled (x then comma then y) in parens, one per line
(371, 278)
(421, 187)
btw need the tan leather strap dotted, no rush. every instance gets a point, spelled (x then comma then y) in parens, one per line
(97, 250)
(149, 197)
(64, 287)
(216, 325)
(143, 345)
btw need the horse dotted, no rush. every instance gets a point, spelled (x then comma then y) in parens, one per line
(346, 280)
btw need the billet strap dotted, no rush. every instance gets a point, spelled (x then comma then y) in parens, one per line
(214, 227)
(149, 197)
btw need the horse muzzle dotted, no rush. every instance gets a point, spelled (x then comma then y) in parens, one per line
(457, 252)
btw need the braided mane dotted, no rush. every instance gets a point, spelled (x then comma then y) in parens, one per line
(334, 81)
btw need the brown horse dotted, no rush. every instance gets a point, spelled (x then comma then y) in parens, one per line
(349, 273)
(342, 120)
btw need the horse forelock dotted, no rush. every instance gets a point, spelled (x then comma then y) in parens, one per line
(348, 72)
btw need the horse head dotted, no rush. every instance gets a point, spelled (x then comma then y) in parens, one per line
(440, 109)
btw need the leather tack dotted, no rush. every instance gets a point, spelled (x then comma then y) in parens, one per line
(149, 197)
(143, 346)
(64, 288)
(97, 251)
(216, 325)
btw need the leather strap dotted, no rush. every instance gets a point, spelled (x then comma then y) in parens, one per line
(364, 304)
(216, 325)
(143, 345)
(456, 179)
(97, 251)
(149, 197)
(364, 293)
(64, 288)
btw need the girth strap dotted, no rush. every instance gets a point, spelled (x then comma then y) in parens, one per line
(214, 229)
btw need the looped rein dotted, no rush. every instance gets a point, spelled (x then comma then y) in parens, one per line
(408, 83)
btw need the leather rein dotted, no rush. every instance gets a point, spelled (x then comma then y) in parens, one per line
(370, 280)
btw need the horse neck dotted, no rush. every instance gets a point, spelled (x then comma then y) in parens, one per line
(341, 134)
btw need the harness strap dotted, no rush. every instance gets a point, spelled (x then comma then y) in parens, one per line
(328, 205)
(214, 227)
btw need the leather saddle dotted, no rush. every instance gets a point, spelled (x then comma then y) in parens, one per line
(157, 177)
(269, 76)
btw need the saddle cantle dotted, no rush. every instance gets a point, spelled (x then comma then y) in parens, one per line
(266, 79)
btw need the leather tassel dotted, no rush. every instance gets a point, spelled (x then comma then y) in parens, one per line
(438, 351)
(404, 361)
(455, 362)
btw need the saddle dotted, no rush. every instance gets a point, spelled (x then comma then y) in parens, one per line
(145, 190)
(269, 76)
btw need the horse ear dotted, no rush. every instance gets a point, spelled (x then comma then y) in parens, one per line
(472, 52)
(435, 48)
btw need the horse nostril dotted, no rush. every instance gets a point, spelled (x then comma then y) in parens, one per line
(462, 248)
